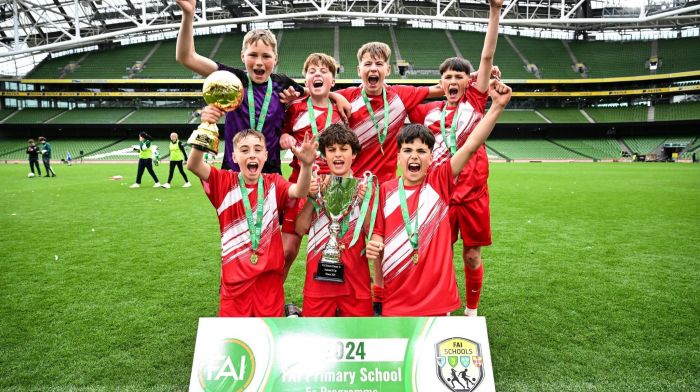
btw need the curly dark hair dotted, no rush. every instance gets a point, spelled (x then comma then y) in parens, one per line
(338, 134)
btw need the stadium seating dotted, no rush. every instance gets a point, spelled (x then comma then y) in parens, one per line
(5, 112)
(549, 55)
(643, 145)
(91, 116)
(563, 115)
(610, 59)
(162, 63)
(52, 68)
(520, 117)
(677, 111)
(618, 115)
(423, 49)
(352, 38)
(33, 116)
(160, 116)
(229, 52)
(595, 148)
(534, 149)
(297, 45)
(679, 54)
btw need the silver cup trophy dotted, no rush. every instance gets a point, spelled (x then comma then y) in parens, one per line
(337, 198)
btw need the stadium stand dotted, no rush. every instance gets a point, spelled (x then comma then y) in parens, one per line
(4, 113)
(52, 68)
(644, 145)
(676, 54)
(618, 115)
(296, 45)
(531, 149)
(511, 65)
(159, 116)
(424, 50)
(610, 59)
(33, 116)
(520, 117)
(563, 115)
(91, 116)
(677, 111)
(229, 51)
(351, 39)
(595, 148)
(162, 62)
(548, 54)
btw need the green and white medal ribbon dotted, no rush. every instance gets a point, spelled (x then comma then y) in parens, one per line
(265, 105)
(312, 116)
(254, 225)
(412, 234)
(381, 135)
(452, 145)
(363, 211)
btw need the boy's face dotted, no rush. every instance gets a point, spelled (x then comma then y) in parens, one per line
(250, 154)
(319, 80)
(339, 158)
(372, 71)
(454, 84)
(259, 60)
(414, 160)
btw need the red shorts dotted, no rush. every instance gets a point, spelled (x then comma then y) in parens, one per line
(342, 306)
(265, 298)
(473, 221)
(291, 211)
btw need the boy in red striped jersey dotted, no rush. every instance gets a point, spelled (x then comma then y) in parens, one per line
(247, 203)
(412, 234)
(312, 114)
(451, 121)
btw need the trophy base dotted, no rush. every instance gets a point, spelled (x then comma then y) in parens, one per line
(205, 138)
(330, 272)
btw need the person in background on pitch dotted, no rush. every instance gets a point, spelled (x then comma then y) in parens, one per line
(247, 204)
(261, 108)
(145, 160)
(451, 121)
(417, 272)
(352, 298)
(177, 156)
(45, 152)
(33, 155)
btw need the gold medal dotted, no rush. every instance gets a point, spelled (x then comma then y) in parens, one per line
(254, 258)
(415, 257)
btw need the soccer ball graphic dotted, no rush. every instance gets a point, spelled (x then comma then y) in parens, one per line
(30, 175)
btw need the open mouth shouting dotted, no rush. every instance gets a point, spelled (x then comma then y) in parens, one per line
(259, 72)
(252, 167)
(453, 93)
(317, 83)
(373, 80)
(338, 164)
(413, 167)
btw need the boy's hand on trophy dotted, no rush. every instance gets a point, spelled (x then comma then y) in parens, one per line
(288, 95)
(361, 191)
(306, 153)
(374, 249)
(313, 187)
(211, 114)
(287, 141)
(187, 6)
(500, 93)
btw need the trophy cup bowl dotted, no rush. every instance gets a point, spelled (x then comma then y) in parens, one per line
(225, 91)
(338, 197)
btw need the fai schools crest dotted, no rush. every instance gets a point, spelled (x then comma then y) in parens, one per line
(459, 363)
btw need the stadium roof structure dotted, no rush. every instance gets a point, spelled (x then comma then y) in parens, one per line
(33, 27)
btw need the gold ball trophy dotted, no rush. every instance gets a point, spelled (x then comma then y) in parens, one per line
(225, 91)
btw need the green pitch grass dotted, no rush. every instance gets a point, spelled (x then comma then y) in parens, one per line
(592, 284)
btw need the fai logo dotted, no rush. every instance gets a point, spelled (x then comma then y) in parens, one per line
(231, 369)
(459, 364)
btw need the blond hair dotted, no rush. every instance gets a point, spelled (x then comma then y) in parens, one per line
(378, 50)
(321, 59)
(265, 36)
(245, 133)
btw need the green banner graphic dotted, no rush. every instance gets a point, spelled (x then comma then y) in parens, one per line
(342, 354)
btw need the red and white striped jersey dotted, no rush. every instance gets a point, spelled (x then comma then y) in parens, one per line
(470, 110)
(401, 99)
(238, 273)
(297, 123)
(427, 287)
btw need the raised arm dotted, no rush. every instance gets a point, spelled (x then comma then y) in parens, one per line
(489, 49)
(185, 53)
(500, 96)
(195, 162)
(306, 154)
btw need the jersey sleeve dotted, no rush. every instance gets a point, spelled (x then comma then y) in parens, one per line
(418, 113)
(286, 82)
(442, 180)
(476, 98)
(346, 92)
(412, 96)
(289, 116)
(282, 186)
(218, 184)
